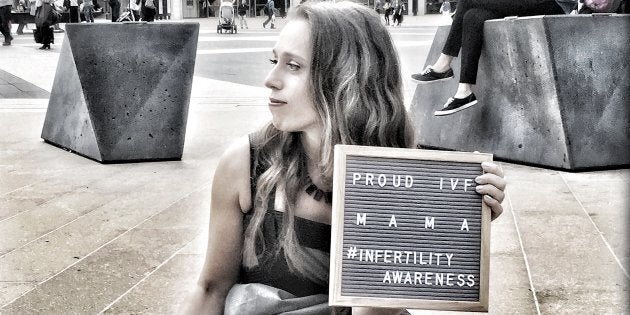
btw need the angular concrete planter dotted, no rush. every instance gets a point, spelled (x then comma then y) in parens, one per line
(121, 91)
(553, 91)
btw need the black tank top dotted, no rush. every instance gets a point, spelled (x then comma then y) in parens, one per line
(272, 269)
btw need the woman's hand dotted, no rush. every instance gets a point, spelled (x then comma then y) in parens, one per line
(492, 186)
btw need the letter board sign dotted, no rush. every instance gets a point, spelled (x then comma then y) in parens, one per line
(409, 229)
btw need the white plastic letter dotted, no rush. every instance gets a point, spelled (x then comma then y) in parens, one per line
(382, 180)
(464, 226)
(429, 223)
(408, 181)
(387, 278)
(394, 182)
(392, 221)
(369, 179)
(361, 218)
(467, 183)
(454, 184)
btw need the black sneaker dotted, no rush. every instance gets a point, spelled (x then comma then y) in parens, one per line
(428, 75)
(454, 105)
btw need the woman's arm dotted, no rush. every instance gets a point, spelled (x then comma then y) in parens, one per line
(230, 195)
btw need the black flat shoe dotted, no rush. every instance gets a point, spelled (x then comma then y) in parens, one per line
(454, 105)
(430, 75)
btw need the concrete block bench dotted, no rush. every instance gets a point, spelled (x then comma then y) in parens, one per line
(553, 91)
(121, 91)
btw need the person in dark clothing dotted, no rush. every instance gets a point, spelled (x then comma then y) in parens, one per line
(269, 8)
(467, 34)
(115, 6)
(147, 10)
(242, 13)
(5, 20)
(268, 249)
(44, 21)
(388, 11)
(73, 11)
(399, 7)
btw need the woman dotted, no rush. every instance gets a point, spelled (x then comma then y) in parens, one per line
(45, 18)
(467, 33)
(268, 232)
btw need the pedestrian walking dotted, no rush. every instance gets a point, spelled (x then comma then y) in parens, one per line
(73, 10)
(268, 248)
(388, 11)
(5, 21)
(88, 11)
(242, 13)
(115, 7)
(467, 34)
(399, 7)
(45, 18)
(268, 10)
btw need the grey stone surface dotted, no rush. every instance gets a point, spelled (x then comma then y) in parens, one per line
(121, 91)
(553, 91)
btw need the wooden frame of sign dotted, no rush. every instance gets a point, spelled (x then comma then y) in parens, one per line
(409, 230)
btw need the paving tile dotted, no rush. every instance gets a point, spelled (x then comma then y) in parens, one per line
(566, 254)
(41, 93)
(12, 290)
(588, 298)
(64, 181)
(130, 208)
(32, 224)
(93, 283)
(174, 279)
(10, 207)
(9, 78)
(604, 196)
(9, 91)
(27, 87)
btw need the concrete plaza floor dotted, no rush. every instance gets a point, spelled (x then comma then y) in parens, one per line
(79, 237)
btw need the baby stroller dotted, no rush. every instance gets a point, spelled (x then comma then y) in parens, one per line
(227, 20)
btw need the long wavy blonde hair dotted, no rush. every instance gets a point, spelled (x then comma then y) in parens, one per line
(357, 91)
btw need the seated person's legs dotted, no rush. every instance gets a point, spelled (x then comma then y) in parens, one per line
(466, 33)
